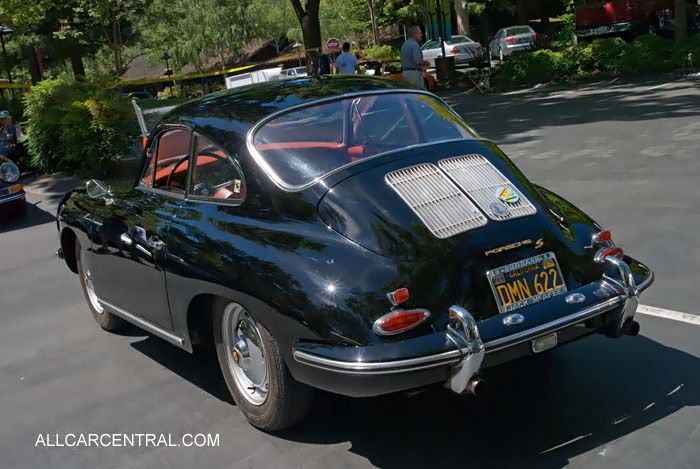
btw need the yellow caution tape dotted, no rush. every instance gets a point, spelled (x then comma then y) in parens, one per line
(15, 86)
(148, 81)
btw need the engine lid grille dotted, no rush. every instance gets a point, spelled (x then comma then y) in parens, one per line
(436, 200)
(484, 184)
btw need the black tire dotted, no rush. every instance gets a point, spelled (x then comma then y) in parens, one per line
(287, 401)
(105, 319)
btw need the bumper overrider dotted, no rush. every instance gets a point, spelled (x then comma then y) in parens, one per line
(457, 356)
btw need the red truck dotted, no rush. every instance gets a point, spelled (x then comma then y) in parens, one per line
(627, 18)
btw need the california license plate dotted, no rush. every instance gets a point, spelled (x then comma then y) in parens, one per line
(526, 282)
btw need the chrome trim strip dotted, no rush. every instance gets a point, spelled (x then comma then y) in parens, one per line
(12, 198)
(552, 326)
(143, 323)
(395, 366)
(260, 161)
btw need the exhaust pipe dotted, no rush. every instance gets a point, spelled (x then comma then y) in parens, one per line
(476, 387)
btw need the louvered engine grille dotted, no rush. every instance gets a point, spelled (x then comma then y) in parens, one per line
(481, 180)
(444, 209)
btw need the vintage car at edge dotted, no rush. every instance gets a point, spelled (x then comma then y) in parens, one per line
(345, 234)
(12, 198)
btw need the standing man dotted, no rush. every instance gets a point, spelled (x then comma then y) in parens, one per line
(346, 63)
(412, 63)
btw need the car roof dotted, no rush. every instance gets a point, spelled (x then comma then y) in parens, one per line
(238, 109)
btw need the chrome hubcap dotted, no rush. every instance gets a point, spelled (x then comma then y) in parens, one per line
(90, 288)
(244, 354)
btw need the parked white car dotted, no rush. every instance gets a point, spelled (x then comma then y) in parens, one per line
(464, 50)
(512, 39)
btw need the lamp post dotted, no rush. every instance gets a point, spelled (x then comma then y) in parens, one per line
(166, 57)
(5, 31)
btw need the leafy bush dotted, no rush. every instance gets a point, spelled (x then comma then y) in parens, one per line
(381, 52)
(687, 54)
(648, 53)
(13, 106)
(540, 65)
(608, 54)
(78, 126)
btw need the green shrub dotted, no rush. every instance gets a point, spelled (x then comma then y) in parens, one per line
(78, 126)
(687, 54)
(608, 54)
(648, 53)
(381, 52)
(540, 65)
(14, 107)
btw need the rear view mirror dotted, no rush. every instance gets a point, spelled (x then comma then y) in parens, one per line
(97, 189)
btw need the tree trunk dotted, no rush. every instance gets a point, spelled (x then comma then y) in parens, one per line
(462, 13)
(680, 17)
(75, 54)
(311, 31)
(522, 12)
(373, 21)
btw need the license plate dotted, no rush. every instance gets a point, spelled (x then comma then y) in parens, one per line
(545, 342)
(526, 282)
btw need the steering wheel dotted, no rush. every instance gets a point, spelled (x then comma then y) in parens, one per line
(174, 170)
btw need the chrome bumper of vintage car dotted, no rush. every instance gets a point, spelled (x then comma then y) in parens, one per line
(12, 198)
(466, 359)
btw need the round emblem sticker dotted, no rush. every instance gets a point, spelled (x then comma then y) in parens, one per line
(507, 195)
(499, 209)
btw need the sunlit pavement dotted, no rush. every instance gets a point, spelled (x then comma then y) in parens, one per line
(626, 152)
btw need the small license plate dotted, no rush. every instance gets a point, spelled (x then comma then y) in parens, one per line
(526, 282)
(545, 342)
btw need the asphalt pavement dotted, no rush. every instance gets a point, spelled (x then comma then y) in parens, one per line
(627, 152)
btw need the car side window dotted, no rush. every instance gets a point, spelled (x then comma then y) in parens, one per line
(168, 162)
(215, 175)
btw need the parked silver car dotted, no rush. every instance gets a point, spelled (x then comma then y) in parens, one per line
(296, 72)
(512, 39)
(464, 50)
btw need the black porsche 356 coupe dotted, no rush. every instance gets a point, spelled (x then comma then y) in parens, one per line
(341, 233)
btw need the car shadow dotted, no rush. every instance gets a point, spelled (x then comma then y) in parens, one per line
(34, 216)
(542, 411)
(200, 368)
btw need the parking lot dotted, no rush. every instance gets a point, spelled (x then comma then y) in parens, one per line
(625, 151)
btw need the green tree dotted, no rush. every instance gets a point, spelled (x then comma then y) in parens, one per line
(681, 17)
(113, 19)
(272, 19)
(193, 31)
(307, 15)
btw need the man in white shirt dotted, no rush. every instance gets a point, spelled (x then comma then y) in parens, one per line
(346, 63)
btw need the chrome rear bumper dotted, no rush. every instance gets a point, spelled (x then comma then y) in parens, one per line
(464, 362)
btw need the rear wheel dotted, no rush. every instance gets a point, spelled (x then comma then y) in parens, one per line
(105, 319)
(254, 370)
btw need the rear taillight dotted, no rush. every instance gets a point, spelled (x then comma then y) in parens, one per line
(613, 251)
(511, 40)
(454, 50)
(399, 321)
(398, 297)
(144, 142)
(602, 237)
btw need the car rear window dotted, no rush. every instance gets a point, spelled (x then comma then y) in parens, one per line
(303, 145)
(518, 30)
(457, 40)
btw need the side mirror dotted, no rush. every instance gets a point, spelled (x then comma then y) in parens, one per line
(97, 189)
